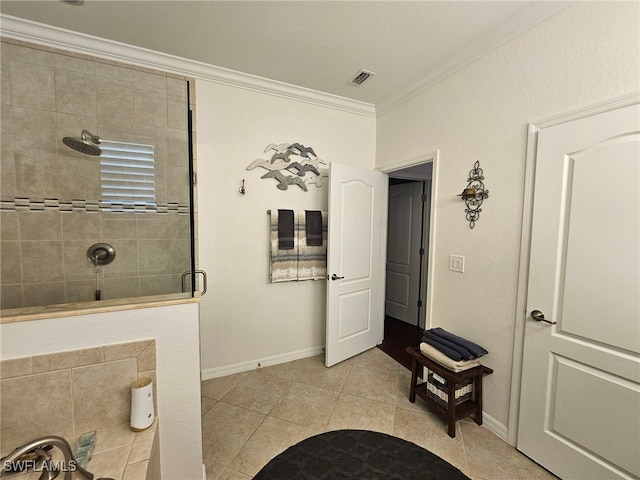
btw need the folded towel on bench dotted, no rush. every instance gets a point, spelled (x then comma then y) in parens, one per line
(439, 357)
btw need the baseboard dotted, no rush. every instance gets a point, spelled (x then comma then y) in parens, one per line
(215, 372)
(495, 426)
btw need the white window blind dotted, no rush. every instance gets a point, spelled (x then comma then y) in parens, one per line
(127, 173)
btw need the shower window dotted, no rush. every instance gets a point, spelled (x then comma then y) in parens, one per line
(127, 175)
(104, 167)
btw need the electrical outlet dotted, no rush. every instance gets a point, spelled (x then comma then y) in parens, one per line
(456, 263)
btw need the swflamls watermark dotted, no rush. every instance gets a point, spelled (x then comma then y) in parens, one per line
(39, 466)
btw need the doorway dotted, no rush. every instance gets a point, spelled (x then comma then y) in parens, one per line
(409, 218)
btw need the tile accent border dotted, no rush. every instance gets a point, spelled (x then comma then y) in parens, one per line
(88, 206)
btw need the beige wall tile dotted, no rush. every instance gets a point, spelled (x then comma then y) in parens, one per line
(176, 147)
(67, 360)
(69, 62)
(158, 227)
(155, 257)
(36, 225)
(115, 105)
(75, 93)
(126, 261)
(7, 173)
(116, 226)
(119, 351)
(156, 285)
(34, 176)
(33, 406)
(42, 261)
(16, 367)
(114, 71)
(121, 287)
(28, 54)
(11, 296)
(11, 266)
(177, 112)
(80, 178)
(33, 86)
(150, 81)
(9, 224)
(35, 131)
(49, 293)
(150, 111)
(147, 358)
(80, 291)
(178, 184)
(78, 226)
(102, 394)
(176, 86)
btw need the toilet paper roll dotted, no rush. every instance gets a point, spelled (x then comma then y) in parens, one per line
(142, 411)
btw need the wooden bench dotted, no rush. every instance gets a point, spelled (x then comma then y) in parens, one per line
(453, 412)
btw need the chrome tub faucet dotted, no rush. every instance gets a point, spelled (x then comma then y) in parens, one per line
(34, 455)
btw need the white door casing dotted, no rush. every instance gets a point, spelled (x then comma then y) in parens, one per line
(354, 298)
(404, 237)
(580, 387)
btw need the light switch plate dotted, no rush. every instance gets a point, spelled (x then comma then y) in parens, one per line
(456, 263)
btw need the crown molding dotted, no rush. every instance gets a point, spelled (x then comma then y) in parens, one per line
(54, 37)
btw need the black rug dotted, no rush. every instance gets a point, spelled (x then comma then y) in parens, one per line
(357, 455)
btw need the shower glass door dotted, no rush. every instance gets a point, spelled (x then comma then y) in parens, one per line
(96, 180)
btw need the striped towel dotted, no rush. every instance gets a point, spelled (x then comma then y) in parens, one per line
(284, 263)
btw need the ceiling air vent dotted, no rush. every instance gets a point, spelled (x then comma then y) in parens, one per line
(360, 77)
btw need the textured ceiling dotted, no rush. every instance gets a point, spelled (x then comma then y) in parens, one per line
(317, 45)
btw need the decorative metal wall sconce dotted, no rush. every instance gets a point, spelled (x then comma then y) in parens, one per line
(474, 193)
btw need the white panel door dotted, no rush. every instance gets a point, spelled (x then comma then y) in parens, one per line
(404, 241)
(580, 399)
(354, 290)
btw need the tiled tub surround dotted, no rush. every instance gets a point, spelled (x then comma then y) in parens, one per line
(74, 392)
(51, 195)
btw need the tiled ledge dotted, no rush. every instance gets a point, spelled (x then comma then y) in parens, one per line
(122, 454)
(85, 308)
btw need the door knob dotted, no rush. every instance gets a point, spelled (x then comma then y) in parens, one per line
(539, 316)
(336, 277)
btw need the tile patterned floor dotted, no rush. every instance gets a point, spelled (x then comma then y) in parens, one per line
(249, 418)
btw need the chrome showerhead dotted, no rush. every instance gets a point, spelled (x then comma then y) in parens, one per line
(83, 145)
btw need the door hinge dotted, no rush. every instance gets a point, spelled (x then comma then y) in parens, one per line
(424, 197)
(194, 179)
(421, 251)
(419, 303)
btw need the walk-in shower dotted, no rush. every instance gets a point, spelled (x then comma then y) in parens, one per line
(110, 172)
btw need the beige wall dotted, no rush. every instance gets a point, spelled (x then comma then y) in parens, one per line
(586, 53)
(47, 95)
(245, 319)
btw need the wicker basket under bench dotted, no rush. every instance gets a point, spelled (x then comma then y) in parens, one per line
(452, 411)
